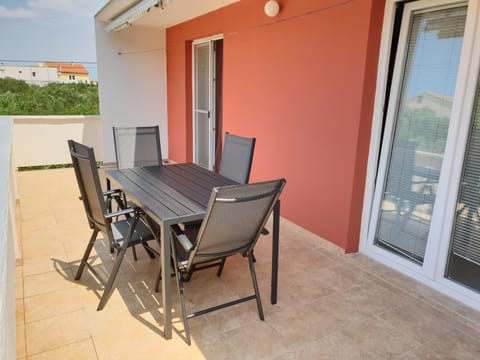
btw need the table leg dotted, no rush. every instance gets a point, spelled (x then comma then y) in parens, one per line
(166, 294)
(275, 251)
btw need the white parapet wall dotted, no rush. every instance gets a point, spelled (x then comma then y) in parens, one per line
(42, 140)
(8, 242)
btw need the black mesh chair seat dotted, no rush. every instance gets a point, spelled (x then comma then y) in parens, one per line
(133, 228)
(234, 220)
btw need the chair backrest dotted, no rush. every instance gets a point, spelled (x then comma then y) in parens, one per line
(234, 220)
(83, 159)
(237, 158)
(137, 146)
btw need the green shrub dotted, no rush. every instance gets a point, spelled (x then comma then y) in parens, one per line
(19, 98)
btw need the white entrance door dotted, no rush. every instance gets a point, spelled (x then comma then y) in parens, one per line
(204, 102)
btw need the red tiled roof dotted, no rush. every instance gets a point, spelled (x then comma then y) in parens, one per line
(67, 68)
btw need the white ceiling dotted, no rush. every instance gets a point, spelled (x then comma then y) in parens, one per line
(176, 12)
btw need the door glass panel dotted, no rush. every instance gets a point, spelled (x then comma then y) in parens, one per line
(464, 258)
(202, 63)
(202, 103)
(421, 123)
(202, 140)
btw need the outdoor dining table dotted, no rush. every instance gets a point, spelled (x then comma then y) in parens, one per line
(174, 194)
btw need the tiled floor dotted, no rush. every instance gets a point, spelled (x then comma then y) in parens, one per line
(331, 305)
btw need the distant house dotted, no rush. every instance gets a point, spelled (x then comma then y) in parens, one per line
(34, 75)
(440, 104)
(69, 72)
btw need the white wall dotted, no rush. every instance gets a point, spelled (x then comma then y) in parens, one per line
(8, 246)
(43, 75)
(42, 140)
(132, 81)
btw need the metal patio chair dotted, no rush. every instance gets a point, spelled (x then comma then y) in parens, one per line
(235, 218)
(134, 228)
(236, 164)
(237, 157)
(137, 146)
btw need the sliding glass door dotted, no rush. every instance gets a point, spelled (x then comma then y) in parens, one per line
(418, 121)
(423, 196)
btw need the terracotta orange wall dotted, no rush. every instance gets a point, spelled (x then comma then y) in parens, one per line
(303, 84)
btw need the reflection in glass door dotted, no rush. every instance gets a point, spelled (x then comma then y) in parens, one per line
(419, 115)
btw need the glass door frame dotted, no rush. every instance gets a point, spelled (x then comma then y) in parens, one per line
(433, 269)
(211, 96)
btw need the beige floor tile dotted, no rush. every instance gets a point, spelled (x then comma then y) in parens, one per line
(42, 265)
(143, 343)
(82, 350)
(19, 288)
(47, 282)
(51, 304)
(327, 348)
(456, 345)
(254, 341)
(423, 352)
(43, 220)
(21, 347)
(18, 272)
(421, 321)
(19, 311)
(48, 334)
(371, 339)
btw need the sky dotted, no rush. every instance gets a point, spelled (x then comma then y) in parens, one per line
(33, 31)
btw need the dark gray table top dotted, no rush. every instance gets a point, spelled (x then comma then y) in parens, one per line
(169, 193)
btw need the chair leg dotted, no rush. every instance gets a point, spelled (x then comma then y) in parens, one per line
(149, 250)
(181, 296)
(255, 286)
(186, 276)
(157, 280)
(111, 279)
(220, 267)
(180, 289)
(86, 255)
(120, 255)
(134, 253)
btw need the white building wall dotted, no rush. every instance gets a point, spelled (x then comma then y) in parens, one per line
(132, 81)
(34, 75)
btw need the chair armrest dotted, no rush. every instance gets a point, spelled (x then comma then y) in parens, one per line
(112, 192)
(182, 238)
(120, 212)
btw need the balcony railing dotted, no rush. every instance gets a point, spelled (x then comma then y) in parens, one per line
(42, 140)
(8, 241)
